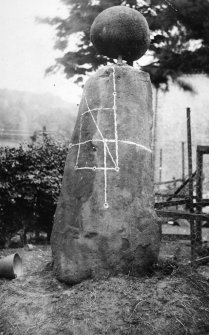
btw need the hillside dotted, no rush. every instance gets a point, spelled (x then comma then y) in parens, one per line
(22, 113)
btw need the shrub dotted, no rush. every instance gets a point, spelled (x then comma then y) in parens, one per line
(30, 181)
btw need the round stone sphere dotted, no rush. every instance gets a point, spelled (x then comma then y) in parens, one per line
(120, 31)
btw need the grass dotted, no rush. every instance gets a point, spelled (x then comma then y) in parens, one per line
(171, 300)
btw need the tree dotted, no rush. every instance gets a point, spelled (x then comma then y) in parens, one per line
(181, 45)
(81, 16)
(179, 38)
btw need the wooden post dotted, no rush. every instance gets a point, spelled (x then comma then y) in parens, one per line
(160, 168)
(199, 195)
(154, 133)
(183, 161)
(189, 144)
(174, 184)
(174, 189)
(191, 209)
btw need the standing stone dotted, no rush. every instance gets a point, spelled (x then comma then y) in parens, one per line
(105, 221)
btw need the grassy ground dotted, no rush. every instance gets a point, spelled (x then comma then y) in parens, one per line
(172, 300)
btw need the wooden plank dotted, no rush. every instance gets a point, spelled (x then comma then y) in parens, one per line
(180, 188)
(182, 215)
(162, 204)
(166, 195)
(203, 202)
(174, 237)
(203, 149)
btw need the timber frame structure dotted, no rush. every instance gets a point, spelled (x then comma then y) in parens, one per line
(201, 150)
(194, 203)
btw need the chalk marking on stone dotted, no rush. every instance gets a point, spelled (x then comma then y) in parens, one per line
(105, 177)
(104, 141)
(114, 83)
(87, 141)
(97, 109)
(112, 141)
(93, 168)
(79, 146)
(81, 143)
(137, 144)
(115, 116)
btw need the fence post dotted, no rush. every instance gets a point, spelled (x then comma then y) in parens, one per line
(190, 203)
(199, 196)
(183, 161)
(154, 133)
(161, 165)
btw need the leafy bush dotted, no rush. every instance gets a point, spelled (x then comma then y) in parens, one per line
(30, 181)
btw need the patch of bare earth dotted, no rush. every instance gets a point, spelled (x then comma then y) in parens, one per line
(163, 303)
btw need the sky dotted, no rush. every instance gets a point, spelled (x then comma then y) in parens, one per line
(27, 49)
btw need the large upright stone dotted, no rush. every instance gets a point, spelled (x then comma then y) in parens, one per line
(105, 221)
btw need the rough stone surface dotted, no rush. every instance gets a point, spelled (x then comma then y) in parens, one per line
(120, 31)
(88, 239)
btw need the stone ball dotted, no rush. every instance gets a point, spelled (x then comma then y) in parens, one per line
(120, 31)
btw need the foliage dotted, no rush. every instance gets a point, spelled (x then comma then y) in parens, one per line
(181, 41)
(179, 38)
(81, 16)
(30, 180)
